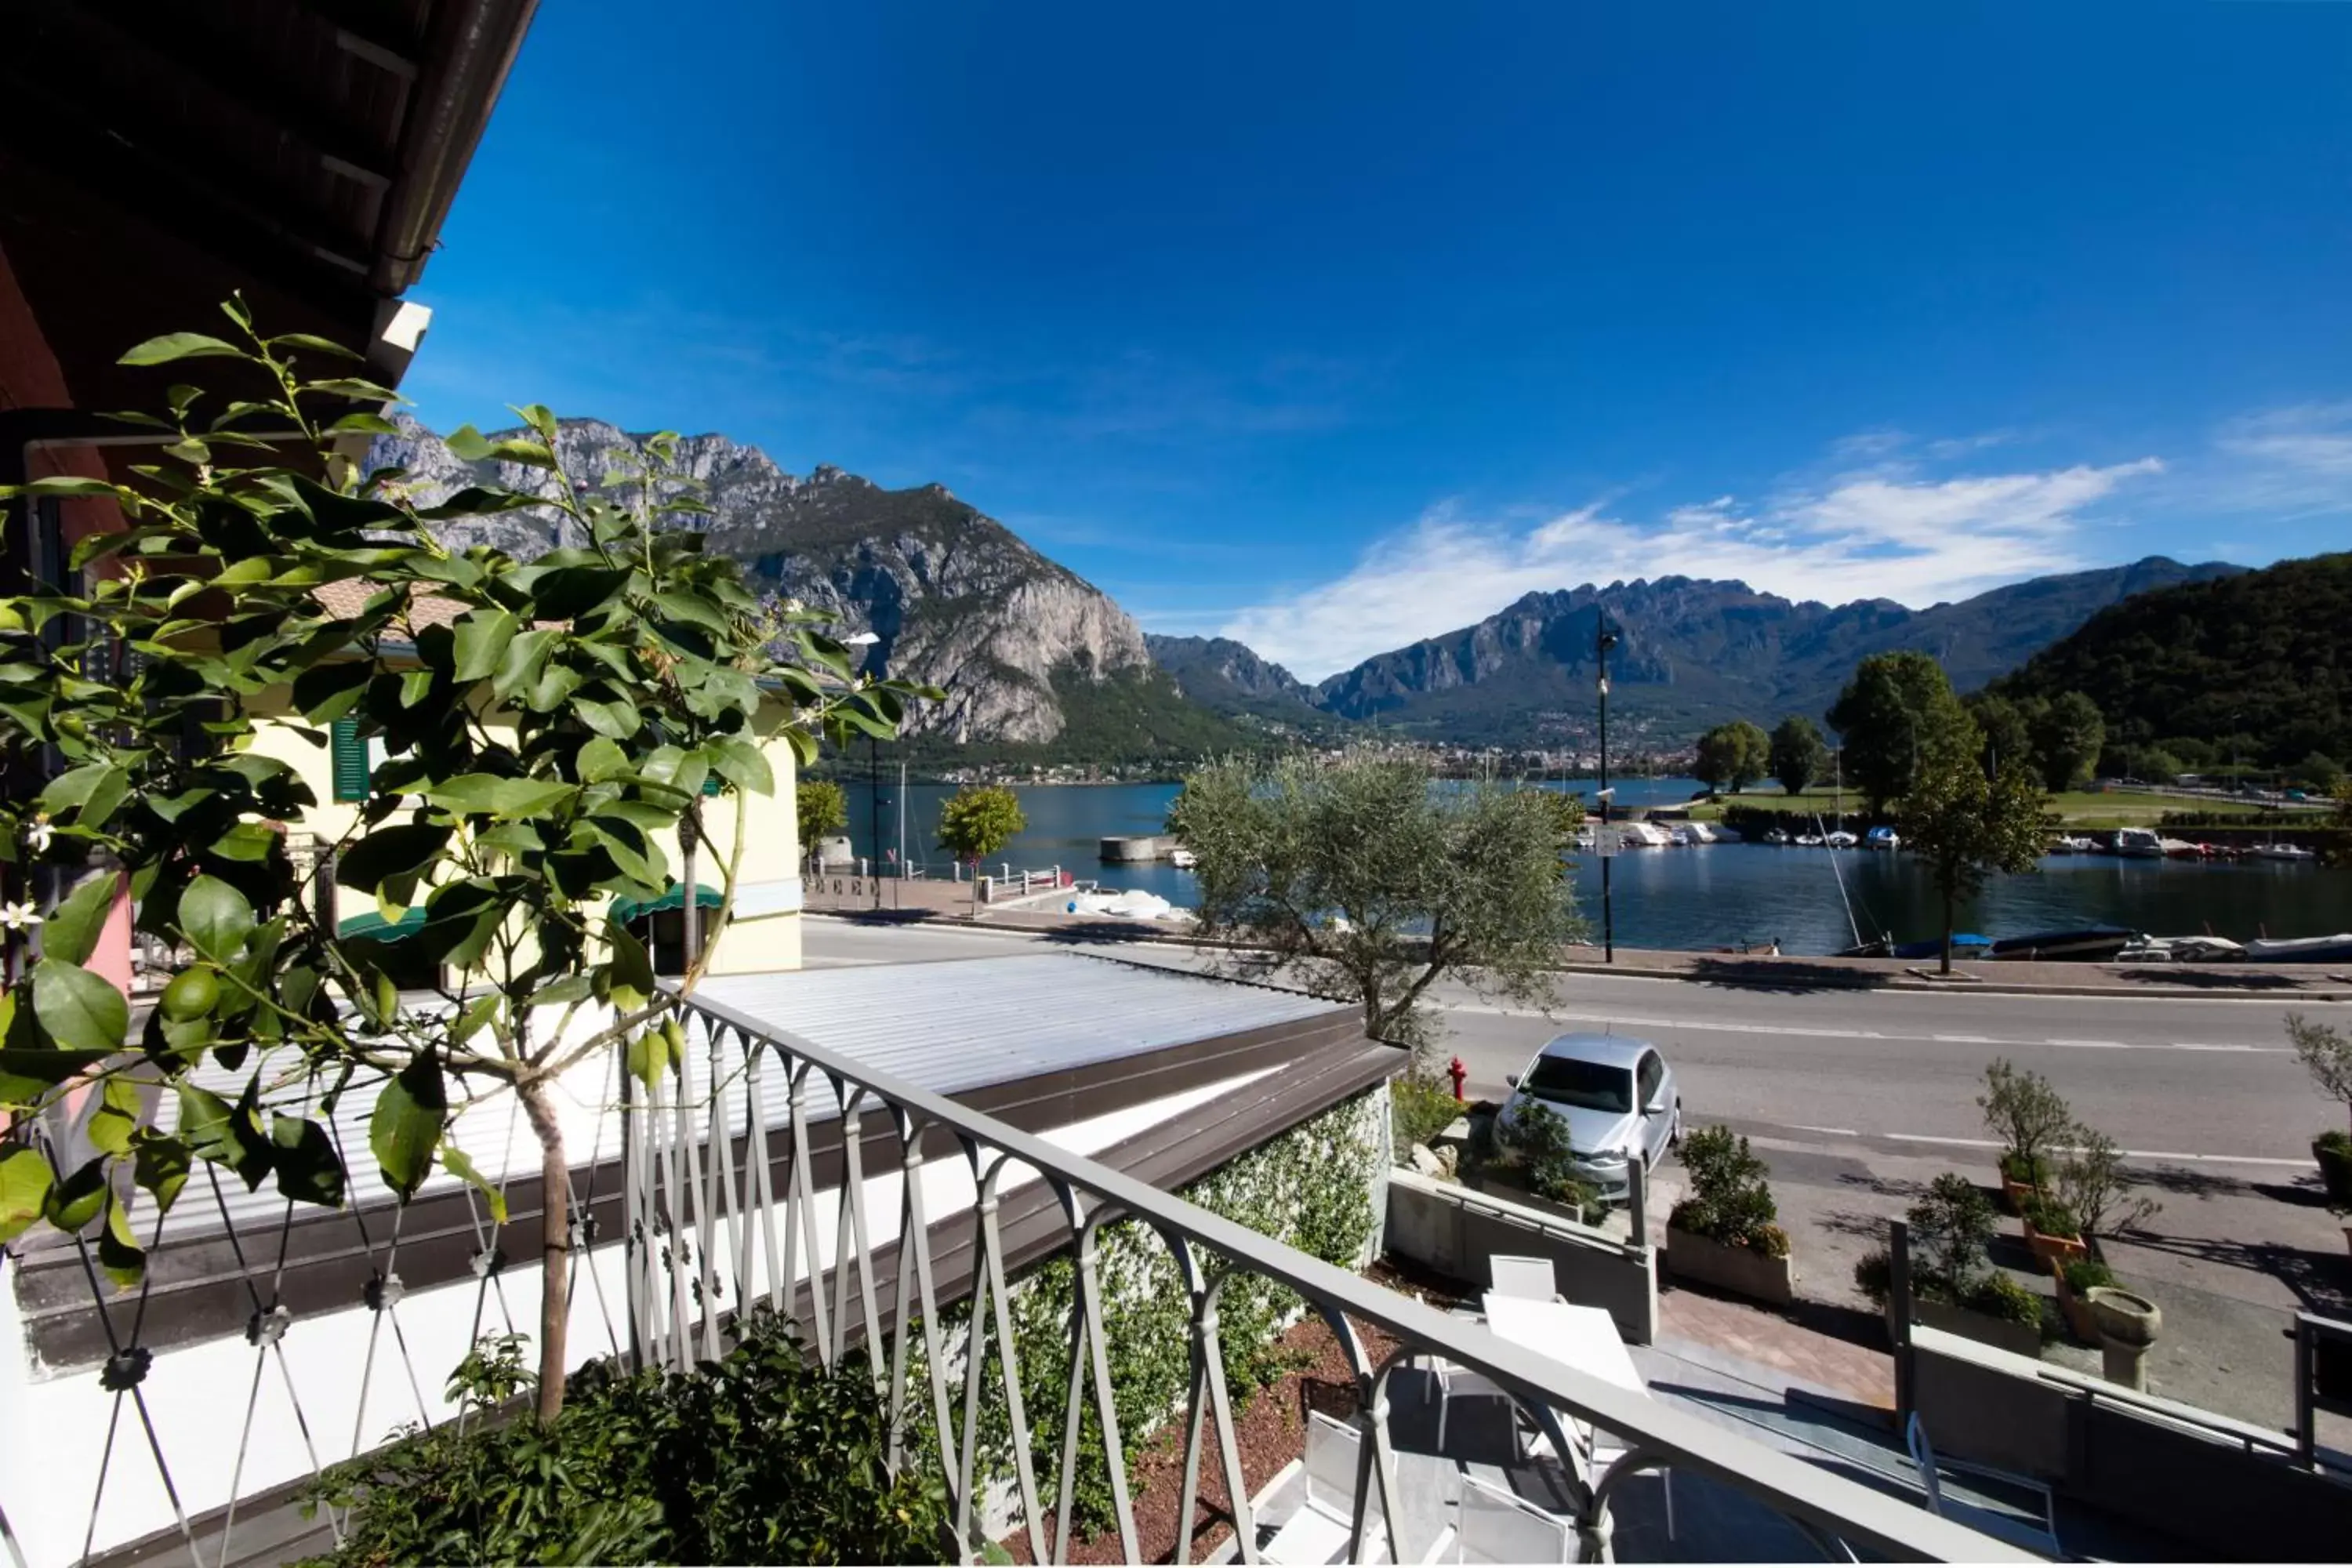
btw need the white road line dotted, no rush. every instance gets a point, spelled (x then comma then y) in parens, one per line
(2128, 1153)
(1833, 1131)
(1812, 1032)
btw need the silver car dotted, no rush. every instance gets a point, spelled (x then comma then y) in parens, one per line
(1619, 1098)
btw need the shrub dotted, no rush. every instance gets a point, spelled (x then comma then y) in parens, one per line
(2032, 1173)
(2052, 1217)
(2090, 1186)
(1950, 1228)
(2327, 1054)
(1874, 1276)
(2086, 1274)
(1536, 1141)
(1731, 1201)
(2025, 1112)
(1998, 1296)
(757, 1458)
(1420, 1108)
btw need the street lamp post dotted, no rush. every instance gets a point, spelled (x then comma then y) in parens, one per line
(1603, 639)
(868, 641)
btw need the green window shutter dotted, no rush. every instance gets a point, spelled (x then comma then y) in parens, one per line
(351, 755)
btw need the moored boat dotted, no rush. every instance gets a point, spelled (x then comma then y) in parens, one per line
(1841, 840)
(2137, 844)
(2336, 949)
(1882, 838)
(2084, 945)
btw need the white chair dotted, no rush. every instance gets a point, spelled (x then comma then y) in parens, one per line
(1494, 1526)
(2042, 1538)
(1454, 1384)
(1319, 1531)
(1529, 1279)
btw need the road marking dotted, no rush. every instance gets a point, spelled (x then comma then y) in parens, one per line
(1810, 1032)
(2127, 1154)
(1833, 1131)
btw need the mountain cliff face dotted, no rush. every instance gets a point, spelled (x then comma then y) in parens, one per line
(1691, 653)
(1230, 677)
(957, 599)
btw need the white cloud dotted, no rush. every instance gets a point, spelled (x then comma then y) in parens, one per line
(2313, 441)
(1886, 533)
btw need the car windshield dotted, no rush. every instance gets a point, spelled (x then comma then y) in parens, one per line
(1588, 1085)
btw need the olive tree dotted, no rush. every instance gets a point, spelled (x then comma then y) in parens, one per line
(1372, 880)
(977, 821)
(1967, 827)
(545, 730)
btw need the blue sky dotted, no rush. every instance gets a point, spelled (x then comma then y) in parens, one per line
(1331, 327)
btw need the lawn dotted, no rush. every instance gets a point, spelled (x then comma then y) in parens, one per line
(2076, 808)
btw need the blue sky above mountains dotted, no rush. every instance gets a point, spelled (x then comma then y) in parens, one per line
(1334, 327)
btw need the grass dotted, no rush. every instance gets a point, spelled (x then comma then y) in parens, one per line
(2075, 808)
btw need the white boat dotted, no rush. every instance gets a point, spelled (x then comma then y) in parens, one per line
(1644, 835)
(2336, 949)
(1729, 836)
(2197, 949)
(1774, 835)
(1112, 904)
(1839, 839)
(1704, 832)
(2139, 844)
(1808, 841)
(2072, 844)
(2282, 852)
(1183, 860)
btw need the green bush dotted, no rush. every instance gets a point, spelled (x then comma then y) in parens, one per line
(2051, 1217)
(2034, 1172)
(1731, 1199)
(1950, 1229)
(1536, 1141)
(2086, 1274)
(1420, 1108)
(758, 1457)
(1874, 1276)
(1998, 1296)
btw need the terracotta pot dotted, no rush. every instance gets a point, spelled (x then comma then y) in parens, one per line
(2014, 1193)
(2122, 1317)
(2076, 1311)
(2054, 1250)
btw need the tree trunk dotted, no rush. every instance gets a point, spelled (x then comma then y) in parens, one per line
(556, 1247)
(1947, 931)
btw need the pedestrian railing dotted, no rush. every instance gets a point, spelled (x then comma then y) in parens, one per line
(890, 1221)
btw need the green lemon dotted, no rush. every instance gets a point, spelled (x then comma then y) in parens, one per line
(192, 993)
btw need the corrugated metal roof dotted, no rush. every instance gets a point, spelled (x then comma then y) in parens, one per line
(951, 1027)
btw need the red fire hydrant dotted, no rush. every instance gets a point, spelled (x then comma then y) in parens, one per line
(1457, 1072)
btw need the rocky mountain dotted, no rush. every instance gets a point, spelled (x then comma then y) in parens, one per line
(1693, 652)
(1230, 677)
(957, 599)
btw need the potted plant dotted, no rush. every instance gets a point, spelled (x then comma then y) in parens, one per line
(2075, 1277)
(1724, 1232)
(2327, 1054)
(2052, 1232)
(2031, 1118)
(1532, 1161)
(1954, 1285)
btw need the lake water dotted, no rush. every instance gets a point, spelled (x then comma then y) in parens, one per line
(1719, 894)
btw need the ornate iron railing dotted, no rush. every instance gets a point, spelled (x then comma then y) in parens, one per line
(773, 1170)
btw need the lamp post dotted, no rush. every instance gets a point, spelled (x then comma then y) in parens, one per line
(868, 641)
(1603, 639)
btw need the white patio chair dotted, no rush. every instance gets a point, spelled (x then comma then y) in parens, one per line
(1527, 1278)
(1455, 1383)
(1494, 1526)
(1318, 1533)
(2042, 1538)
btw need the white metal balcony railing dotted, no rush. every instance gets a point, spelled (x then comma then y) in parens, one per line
(704, 1231)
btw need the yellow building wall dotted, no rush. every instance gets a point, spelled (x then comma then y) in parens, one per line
(758, 942)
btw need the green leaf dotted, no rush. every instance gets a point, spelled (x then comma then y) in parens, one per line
(454, 1160)
(389, 852)
(74, 786)
(694, 612)
(648, 1055)
(351, 387)
(119, 1252)
(26, 1181)
(59, 485)
(75, 1202)
(309, 1170)
(215, 917)
(524, 658)
(77, 1009)
(633, 969)
(116, 1117)
(482, 638)
(475, 793)
(739, 763)
(600, 760)
(173, 346)
(406, 1126)
(309, 340)
(73, 927)
(325, 692)
(364, 424)
(476, 1016)
(568, 593)
(469, 445)
(159, 1169)
(415, 687)
(222, 1134)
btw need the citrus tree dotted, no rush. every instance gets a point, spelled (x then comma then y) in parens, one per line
(546, 729)
(977, 821)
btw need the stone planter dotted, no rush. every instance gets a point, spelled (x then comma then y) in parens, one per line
(2127, 1325)
(2077, 1312)
(2054, 1250)
(2017, 1338)
(1741, 1270)
(1489, 1181)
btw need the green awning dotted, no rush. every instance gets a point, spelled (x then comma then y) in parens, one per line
(630, 910)
(373, 927)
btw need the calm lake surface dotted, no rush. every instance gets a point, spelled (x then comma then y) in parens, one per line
(1719, 894)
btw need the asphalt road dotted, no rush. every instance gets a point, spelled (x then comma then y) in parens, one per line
(2208, 1082)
